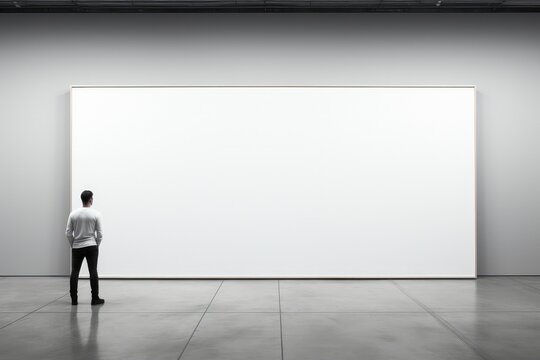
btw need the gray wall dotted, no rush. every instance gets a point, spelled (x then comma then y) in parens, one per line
(42, 55)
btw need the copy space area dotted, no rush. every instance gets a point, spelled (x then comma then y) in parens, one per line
(279, 181)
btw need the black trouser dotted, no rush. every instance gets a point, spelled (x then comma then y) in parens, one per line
(77, 257)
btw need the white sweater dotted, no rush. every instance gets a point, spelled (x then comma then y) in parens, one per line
(84, 228)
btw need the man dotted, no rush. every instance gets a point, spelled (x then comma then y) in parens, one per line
(84, 234)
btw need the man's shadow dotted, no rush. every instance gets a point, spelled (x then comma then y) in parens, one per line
(82, 347)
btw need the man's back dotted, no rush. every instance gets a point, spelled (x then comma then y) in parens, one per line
(84, 226)
(84, 234)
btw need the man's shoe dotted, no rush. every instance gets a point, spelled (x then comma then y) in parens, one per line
(98, 301)
(74, 300)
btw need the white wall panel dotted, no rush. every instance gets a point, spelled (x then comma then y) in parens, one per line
(279, 181)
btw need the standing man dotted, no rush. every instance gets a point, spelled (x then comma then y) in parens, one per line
(84, 234)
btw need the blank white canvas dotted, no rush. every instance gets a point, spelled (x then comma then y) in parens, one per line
(279, 181)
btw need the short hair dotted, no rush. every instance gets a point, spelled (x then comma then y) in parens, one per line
(86, 195)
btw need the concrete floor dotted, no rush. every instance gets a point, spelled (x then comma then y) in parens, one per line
(489, 318)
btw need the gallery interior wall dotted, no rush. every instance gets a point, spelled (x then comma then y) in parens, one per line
(41, 55)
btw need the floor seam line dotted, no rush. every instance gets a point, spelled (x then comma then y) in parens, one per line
(14, 321)
(34, 311)
(200, 320)
(280, 319)
(443, 322)
(356, 312)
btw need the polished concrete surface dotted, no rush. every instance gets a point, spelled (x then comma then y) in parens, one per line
(489, 318)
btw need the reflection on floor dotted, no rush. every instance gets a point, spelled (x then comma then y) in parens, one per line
(489, 318)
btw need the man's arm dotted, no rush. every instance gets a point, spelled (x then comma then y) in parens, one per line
(69, 232)
(99, 230)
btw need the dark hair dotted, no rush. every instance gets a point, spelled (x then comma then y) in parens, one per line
(86, 195)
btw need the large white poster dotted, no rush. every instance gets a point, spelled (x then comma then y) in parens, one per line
(279, 181)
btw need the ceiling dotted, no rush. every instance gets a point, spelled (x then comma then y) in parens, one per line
(432, 6)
